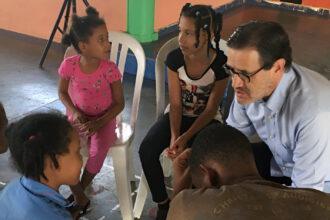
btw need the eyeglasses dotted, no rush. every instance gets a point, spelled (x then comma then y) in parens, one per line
(244, 75)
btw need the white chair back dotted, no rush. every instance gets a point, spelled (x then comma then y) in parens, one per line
(121, 44)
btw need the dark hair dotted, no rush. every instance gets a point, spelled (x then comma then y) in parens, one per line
(221, 143)
(82, 28)
(35, 136)
(206, 19)
(3, 118)
(268, 38)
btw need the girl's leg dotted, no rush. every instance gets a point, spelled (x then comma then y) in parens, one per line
(100, 143)
(153, 144)
(99, 146)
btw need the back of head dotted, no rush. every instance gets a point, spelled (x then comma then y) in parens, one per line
(222, 144)
(35, 137)
(268, 38)
(82, 28)
(206, 19)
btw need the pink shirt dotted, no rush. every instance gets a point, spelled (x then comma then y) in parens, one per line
(90, 93)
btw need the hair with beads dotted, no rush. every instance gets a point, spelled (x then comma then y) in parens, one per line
(35, 137)
(82, 28)
(206, 19)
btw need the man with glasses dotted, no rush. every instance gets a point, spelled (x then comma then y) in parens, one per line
(286, 105)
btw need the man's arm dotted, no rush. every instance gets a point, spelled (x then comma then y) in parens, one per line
(181, 172)
(312, 153)
(238, 119)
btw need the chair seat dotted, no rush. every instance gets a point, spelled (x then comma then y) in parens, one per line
(124, 134)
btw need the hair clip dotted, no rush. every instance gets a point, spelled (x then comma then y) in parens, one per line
(205, 26)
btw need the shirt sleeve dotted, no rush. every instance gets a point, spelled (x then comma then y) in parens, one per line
(218, 68)
(174, 60)
(112, 73)
(66, 69)
(312, 153)
(238, 119)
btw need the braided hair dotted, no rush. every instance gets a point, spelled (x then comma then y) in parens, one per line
(35, 137)
(82, 28)
(206, 19)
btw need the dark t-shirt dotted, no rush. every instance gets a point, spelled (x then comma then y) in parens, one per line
(196, 91)
(250, 200)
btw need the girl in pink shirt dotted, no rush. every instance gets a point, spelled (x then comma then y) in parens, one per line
(91, 90)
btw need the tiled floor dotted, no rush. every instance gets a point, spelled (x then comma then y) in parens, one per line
(25, 88)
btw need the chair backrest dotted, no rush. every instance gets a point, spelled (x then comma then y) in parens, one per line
(160, 73)
(121, 43)
(160, 77)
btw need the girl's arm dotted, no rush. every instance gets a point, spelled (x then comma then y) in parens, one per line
(175, 104)
(64, 95)
(207, 115)
(118, 103)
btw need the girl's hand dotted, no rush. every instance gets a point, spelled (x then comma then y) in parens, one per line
(78, 117)
(168, 151)
(90, 127)
(177, 147)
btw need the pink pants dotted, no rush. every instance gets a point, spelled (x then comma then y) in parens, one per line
(98, 146)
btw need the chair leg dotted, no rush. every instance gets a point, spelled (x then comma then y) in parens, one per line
(130, 164)
(120, 164)
(141, 196)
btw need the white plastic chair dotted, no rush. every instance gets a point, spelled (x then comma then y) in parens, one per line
(143, 188)
(121, 151)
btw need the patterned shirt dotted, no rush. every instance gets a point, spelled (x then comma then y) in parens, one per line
(195, 92)
(90, 93)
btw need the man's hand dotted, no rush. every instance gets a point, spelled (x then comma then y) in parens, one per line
(181, 172)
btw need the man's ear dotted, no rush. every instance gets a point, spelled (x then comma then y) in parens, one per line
(210, 177)
(279, 66)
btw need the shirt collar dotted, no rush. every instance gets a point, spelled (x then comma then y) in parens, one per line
(276, 100)
(42, 190)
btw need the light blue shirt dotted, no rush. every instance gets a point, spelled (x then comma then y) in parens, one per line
(25, 198)
(295, 123)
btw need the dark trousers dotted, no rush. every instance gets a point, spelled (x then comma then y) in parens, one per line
(157, 139)
(263, 156)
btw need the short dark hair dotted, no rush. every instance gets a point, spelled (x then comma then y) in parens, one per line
(206, 19)
(82, 28)
(267, 37)
(35, 136)
(221, 143)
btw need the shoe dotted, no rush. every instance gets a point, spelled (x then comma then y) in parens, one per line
(161, 214)
(70, 199)
(78, 211)
(158, 214)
